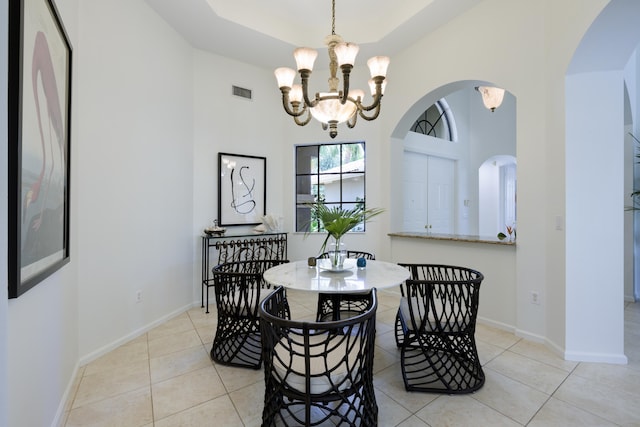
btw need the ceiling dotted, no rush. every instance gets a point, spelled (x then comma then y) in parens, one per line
(265, 32)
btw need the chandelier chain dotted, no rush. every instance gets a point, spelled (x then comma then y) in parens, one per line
(333, 17)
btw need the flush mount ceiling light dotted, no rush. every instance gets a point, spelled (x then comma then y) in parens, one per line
(491, 96)
(334, 106)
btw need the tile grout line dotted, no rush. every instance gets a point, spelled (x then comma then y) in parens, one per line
(153, 415)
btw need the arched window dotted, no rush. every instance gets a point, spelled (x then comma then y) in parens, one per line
(437, 121)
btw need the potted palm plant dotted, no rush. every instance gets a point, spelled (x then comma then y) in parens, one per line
(337, 221)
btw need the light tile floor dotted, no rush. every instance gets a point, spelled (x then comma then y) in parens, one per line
(165, 378)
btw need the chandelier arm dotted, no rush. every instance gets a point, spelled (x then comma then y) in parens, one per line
(285, 104)
(324, 97)
(346, 71)
(376, 98)
(306, 120)
(304, 75)
(351, 123)
(361, 111)
(376, 103)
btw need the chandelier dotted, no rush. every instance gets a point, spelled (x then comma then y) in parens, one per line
(332, 107)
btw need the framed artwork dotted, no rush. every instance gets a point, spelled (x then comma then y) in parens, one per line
(39, 96)
(242, 189)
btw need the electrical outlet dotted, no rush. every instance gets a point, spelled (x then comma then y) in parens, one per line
(559, 223)
(534, 297)
(138, 296)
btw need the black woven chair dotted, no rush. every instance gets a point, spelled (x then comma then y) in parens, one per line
(318, 373)
(435, 329)
(348, 303)
(239, 288)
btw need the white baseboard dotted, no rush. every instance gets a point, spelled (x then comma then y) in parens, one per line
(134, 334)
(579, 356)
(618, 359)
(497, 325)
(59, 418)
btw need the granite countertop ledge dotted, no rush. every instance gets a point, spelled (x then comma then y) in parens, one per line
(453, 237)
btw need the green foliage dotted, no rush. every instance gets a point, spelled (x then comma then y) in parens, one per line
(337, 221)
(329, 157)
(332, 155)
(511, 230)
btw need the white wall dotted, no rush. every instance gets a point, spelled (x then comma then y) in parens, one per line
(489, 202)
(496, 262)
(531, 64)
(514, 63)
(42, 338)
(135, 172)
(541, 174)
(599, 68)
(492, 134)
(595, 273)
(224, 123)
(131, 205)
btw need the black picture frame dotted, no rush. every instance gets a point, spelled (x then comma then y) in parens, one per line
(242, 189)
(39, 97)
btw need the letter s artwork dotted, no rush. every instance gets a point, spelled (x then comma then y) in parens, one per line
(242, 186)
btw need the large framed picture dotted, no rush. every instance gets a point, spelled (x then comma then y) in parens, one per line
(39, 95)
(242, 189)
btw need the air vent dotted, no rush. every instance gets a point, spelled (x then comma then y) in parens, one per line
(242, 92)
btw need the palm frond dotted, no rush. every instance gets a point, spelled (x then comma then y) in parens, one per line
(337, 221)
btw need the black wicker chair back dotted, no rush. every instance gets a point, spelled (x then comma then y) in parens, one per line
(347, 304)
(351, 254)
(239, 288)
(436, 323)
(318, 372)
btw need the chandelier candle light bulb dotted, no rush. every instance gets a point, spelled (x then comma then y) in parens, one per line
(334, 106)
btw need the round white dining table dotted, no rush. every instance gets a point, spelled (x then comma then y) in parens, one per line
(320, 278)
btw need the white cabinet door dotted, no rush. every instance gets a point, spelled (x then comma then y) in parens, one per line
(440, 182)
(428, 193)
(415, 191)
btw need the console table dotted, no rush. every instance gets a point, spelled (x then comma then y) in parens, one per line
(239, 247)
